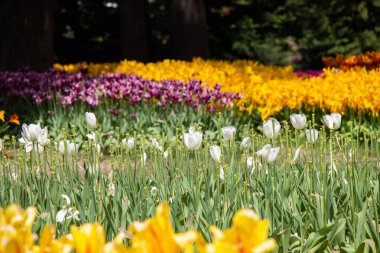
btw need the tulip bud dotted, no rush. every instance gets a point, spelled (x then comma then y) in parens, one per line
(245, 142)
(249, 161)
(221, 173)
(333, 121)
(91, 120)
(215, 153)
(273, 153)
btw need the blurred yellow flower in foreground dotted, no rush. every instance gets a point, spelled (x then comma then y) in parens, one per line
(48, 243)
(248, 234)
(16, 229)
(157, 235)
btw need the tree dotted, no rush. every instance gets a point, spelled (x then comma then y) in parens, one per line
(188, 29)
(132, 24)
(26, 34)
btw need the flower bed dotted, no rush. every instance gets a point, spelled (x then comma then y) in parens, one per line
(73, 88)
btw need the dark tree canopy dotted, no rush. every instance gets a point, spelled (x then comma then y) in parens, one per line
(188, 29)
(26, 32)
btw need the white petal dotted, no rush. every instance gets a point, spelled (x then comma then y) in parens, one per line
(61, 215)
(64, 196)
(215, 152)
(221, 173)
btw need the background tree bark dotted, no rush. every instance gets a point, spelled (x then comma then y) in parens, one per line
(188, 29)
(26, 34)
(132, 24)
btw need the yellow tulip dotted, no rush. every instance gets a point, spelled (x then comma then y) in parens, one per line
(2, 113)
(48, 244)
(89, 238)
(16, 229)
(248, 234)
(157, 235)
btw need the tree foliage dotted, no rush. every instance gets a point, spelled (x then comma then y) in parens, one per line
(297, 32)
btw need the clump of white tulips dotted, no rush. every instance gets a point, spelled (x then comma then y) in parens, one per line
(66, 147)
(268, 153)
(333, 121)
(33, 136)
(130, 143)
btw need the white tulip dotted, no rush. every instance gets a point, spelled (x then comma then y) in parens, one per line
(193, 140)
(98, 148)
(249, 161)
(66, 198)
(228, 132)
(61, 215)
(34, 131)
(215, 152)
(166, 154)
(333, 120)
(271, 128)
(1, 145)
(273, 153)
(298, 121)
(221, 173)
(264, 152)
(25, 135)
(91, 120)
(312, 135)
(91, 136)
(129, 144)
(43, 139)
(245, 142)
(70, 147)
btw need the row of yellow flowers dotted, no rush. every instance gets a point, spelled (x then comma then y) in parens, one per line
(267, 89)
(247, 234)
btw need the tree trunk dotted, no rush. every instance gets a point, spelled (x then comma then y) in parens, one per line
(188, 29)
(132, 24)
(26, 34)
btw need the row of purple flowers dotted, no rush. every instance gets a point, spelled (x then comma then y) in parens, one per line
(73, 88)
